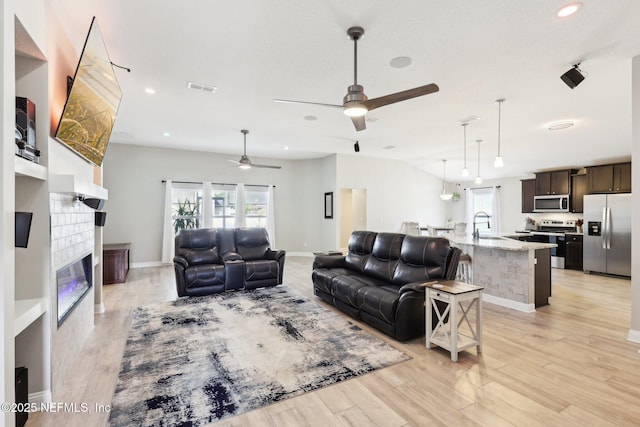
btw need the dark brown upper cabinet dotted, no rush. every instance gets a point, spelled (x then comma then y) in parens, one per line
(613, 178)
(528, 191)
(553, 182)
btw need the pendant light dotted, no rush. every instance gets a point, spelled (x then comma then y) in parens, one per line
(465, 170)
(478, 179)
(498, 163)
(444, 196)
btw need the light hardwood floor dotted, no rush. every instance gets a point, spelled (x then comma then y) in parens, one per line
(567, 364)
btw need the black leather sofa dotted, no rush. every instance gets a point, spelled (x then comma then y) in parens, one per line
(379, 280)
(214, 260)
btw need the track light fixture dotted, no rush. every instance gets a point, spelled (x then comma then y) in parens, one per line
(573, 77)
(356, 147)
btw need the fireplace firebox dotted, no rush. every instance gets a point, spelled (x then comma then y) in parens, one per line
(74, 281)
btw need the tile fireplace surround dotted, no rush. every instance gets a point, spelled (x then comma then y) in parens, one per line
(72, 237)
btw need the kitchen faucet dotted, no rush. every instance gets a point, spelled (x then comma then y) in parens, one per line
(476, 233)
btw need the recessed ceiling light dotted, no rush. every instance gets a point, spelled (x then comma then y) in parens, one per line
(400, 62)
(166, 134)
(286, 148)
(150, 90)
(564, 124)
(568, 10)
(310, 118)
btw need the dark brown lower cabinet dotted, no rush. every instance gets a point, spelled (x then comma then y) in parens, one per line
(573, 252)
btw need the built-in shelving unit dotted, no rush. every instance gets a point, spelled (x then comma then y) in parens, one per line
(29, 169)
(32, 303)
(28, 311)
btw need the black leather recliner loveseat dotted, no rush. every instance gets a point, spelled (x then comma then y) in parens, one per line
(379, 280)
(213, 260)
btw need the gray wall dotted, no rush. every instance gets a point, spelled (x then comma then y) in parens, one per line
(133, 175)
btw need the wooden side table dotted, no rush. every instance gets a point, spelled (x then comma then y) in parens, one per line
(116, 262)
(451, 336)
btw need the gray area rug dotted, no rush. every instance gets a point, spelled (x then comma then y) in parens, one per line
(194, 361)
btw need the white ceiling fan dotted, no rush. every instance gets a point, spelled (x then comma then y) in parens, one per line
(355, 104)
(245, 162)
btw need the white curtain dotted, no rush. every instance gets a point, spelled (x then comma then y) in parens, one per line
(168, 236)
(495, 211)
(207, 205)
(240, 220)
(271, 217)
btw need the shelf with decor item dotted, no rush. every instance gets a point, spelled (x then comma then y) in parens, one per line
(24, 167)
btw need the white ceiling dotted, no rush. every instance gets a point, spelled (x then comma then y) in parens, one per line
(476, 51)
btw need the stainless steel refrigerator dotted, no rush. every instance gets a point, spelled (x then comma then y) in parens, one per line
(607, 234)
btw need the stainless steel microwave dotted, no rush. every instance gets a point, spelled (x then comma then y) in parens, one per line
(554, 203)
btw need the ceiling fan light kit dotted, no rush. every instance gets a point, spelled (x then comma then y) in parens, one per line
(245, 162)
(355, 103)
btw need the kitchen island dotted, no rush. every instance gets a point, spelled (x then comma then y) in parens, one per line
(513, 273)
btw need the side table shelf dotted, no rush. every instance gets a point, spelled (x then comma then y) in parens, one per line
(27, 311)
(460, 332)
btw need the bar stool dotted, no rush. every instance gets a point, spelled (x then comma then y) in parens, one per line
(464, 269)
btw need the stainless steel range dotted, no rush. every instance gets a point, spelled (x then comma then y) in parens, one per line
(553, 231)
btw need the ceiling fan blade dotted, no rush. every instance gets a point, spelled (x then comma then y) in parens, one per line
(400, 96)
(233, 161)
(253, 165)
(359, 123)
(288, 101)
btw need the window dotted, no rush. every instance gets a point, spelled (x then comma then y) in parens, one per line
(483, 200)
(187, 206)
(256, 206)
(224, 206)
(186, 201)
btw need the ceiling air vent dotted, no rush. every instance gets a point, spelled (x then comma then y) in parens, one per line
(202, 86)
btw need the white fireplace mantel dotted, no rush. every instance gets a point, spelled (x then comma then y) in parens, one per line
(71, 184)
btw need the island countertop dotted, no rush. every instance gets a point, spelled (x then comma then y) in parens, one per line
(497, 241)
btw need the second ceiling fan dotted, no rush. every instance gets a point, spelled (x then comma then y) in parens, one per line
(355, 103)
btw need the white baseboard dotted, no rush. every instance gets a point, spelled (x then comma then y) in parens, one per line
(633, 336)
(303, 254)
(40, 397)
(147, 264)
(98, 308)
(520, 306)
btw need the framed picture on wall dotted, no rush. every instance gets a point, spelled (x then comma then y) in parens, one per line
(328, 204)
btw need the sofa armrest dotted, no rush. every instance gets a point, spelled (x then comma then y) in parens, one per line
(231, 256)
(328, 261)
(275, 254)
(181, 261)
(278, 256)
(414, 286)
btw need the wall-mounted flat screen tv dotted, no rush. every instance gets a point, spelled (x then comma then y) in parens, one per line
(23, 228)
(92, 105)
